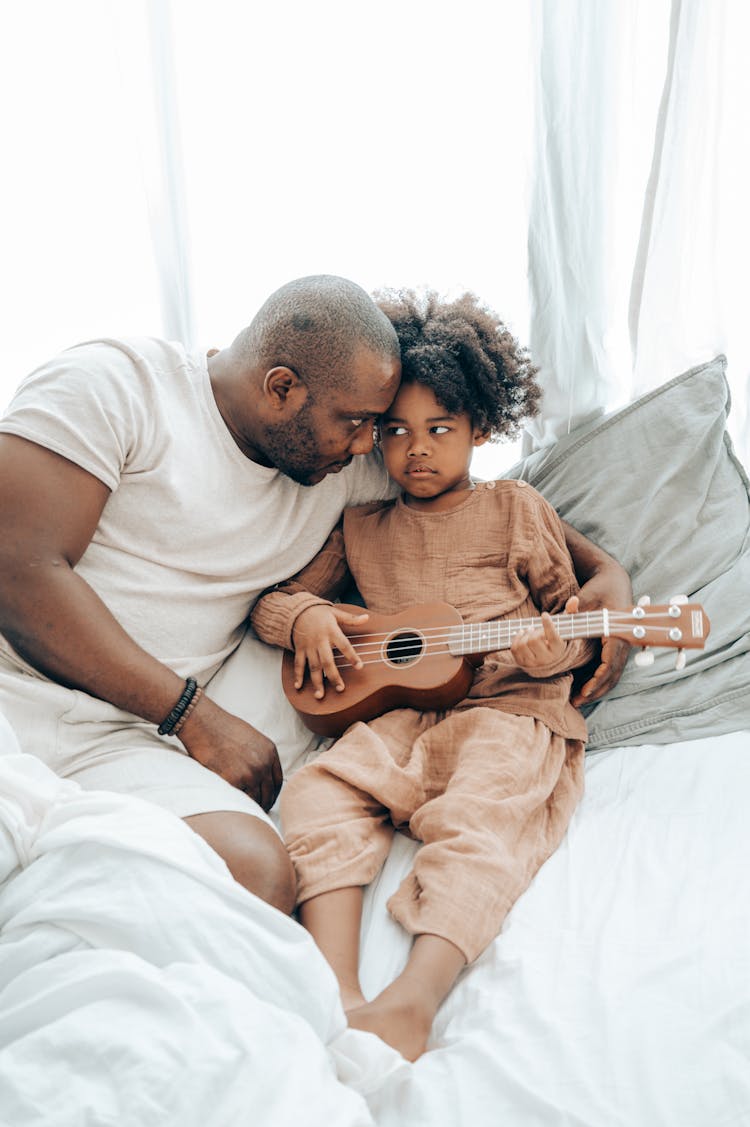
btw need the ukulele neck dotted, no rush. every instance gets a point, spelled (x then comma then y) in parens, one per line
(485, 637)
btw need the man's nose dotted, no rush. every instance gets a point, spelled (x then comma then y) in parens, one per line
(363, 440)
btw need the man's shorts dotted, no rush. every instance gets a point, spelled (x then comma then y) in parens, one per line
(103, 748)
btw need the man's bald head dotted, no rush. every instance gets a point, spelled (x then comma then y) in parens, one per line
(315, 325)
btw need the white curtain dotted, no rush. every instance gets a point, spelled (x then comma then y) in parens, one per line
(168, 164)
(639, 228)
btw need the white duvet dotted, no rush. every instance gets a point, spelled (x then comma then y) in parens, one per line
(140, 986)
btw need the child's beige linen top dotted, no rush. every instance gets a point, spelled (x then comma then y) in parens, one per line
(499, 554)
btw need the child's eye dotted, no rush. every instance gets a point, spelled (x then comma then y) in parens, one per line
(440, 429)
(395, 430)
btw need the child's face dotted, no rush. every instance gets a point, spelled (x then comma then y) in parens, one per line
(427, 450)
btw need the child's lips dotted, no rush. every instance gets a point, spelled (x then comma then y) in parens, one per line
(419, 470)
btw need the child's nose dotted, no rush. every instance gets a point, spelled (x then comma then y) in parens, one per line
(419, 444)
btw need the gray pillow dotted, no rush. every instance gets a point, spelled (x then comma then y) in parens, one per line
(658, 485)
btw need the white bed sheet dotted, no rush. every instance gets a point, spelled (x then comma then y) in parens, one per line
(618, 992)
(140, 986)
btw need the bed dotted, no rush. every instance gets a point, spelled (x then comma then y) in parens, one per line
(139, 985)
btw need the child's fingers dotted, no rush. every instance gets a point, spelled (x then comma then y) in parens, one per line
(538, 645)
(346, 618)
(320, 664)
(300, 664)
(550, 633)
(329, 670)
(343, 643)
(530, 635)
(315, 670)
(525, 645)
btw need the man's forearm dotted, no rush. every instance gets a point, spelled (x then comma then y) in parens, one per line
(58, 624)
(587, 557)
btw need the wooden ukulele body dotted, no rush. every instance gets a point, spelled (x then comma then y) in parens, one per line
(396, 673)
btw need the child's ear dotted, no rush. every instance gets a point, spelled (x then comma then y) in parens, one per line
(481, 435)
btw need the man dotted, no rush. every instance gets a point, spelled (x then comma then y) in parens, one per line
(147, 496)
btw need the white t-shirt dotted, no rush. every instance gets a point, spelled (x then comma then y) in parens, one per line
(193, 530)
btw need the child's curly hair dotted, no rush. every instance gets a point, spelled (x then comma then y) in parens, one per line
(466, 355)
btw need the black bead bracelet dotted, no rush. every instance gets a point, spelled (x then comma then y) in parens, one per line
(188, 693)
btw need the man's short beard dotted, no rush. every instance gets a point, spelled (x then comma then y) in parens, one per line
(292, 447)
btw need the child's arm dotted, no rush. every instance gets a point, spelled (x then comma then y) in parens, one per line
(541, 556)
(298, 615)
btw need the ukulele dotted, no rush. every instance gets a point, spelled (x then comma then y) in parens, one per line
(425, 657)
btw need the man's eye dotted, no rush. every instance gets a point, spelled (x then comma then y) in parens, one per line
(356, 423)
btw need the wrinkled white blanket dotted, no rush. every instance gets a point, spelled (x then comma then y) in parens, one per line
(140, 987)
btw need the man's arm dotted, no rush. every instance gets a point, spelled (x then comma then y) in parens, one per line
(604, 583)
(49, 510)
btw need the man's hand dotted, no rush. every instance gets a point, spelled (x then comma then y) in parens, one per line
(316, 634)
(235, 750)
(609, 587)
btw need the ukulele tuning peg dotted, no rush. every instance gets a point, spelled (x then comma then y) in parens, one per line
(644, 658)
(678, 600)
(679, 662)
(644, 601)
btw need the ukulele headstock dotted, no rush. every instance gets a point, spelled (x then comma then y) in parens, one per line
(677, 624)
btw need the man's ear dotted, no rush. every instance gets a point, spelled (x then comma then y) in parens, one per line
(283, 390)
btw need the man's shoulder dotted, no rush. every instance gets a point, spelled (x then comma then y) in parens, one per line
(103, 404)
(149, 353)
(101, 362)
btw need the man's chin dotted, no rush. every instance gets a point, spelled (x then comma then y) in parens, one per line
(333, 467)
(313, 477)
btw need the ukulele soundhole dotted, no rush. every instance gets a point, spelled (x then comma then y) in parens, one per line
(404, 648)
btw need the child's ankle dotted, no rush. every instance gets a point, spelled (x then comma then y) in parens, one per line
(351, 997)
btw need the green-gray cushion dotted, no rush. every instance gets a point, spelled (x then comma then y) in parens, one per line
(658, 485)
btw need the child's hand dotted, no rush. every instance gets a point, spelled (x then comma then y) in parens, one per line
(537, 648)
(316, 634)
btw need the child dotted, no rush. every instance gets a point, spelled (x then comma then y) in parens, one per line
(490, 785)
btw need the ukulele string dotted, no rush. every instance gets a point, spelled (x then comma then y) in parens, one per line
(592, 619)
(436, 639)
(566, 629)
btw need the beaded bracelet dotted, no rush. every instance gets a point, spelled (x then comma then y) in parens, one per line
(196, 697)
(167, 725)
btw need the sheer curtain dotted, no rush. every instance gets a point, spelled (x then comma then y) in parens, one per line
(639, 230)
(76, 254)
(175, 162)
(171, 163)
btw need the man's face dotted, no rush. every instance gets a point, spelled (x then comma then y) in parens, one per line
(327, 432)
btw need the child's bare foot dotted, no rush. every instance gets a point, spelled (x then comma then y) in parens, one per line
(401, 1016)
